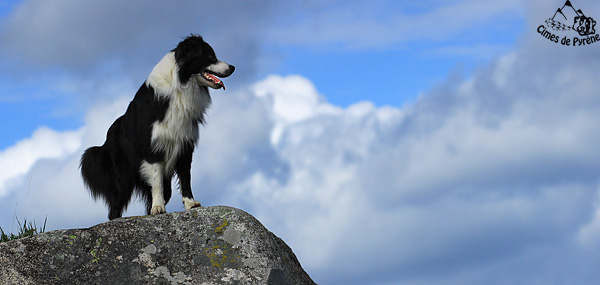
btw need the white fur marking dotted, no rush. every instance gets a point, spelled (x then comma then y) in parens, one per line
(218, 68)
(153, 173)
(187, 103)
(164, 77)
(190, 203)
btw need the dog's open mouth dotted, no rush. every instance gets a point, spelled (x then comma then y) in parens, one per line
(212, 78)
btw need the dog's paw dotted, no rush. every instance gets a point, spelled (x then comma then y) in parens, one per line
(190, 203)
(158, 209)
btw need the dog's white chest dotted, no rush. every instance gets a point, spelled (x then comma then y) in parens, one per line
(179, 127)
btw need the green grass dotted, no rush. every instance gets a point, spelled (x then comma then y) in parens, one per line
(25, 230)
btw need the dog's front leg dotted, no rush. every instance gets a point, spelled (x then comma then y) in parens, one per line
(153, 174)
(183, 169)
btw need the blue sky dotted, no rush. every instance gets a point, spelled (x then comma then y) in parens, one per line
(387, 142)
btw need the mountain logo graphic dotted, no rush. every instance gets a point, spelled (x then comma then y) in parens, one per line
(568, 21)
(567, 18)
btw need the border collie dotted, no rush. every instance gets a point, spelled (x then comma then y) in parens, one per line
(155, 138)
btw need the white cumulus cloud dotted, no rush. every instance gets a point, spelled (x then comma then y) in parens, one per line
(43, 144)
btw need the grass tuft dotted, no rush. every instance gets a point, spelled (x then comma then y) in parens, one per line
(25, 230)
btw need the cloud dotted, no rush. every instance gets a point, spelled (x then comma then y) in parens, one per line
(43, 144)
(451, 179)
(293, 99)
(76, 37)
(41, 176)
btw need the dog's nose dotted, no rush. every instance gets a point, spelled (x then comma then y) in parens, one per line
(231, 69)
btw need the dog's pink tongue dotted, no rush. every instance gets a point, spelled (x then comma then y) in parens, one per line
(215, 80)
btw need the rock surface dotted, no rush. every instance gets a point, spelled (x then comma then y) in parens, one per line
(214, 245)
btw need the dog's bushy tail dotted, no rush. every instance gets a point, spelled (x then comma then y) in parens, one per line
(95, 169)
(101, 176)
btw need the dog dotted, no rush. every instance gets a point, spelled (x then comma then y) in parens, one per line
(155, 138)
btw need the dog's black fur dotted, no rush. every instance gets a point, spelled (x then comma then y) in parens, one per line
(156, 136)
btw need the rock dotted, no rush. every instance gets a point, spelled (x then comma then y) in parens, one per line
(214, 245)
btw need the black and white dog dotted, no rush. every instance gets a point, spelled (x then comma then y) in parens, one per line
(155, 138)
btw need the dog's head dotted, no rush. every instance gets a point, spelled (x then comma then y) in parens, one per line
(195, 58)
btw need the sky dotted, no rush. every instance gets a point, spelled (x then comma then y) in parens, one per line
(387, 142)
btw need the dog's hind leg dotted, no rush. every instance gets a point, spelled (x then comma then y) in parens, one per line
(183, 169)
(119, 199)
(167, 188)
(153, 174)
(115, 211)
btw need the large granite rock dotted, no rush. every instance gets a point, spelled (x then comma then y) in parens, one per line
(214, 245)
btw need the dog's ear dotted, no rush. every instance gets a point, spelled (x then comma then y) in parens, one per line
(191, 46)
(189, 42)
